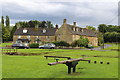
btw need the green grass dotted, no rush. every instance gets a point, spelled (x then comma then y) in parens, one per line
(113, 47)
(4, 44)
(36, 66)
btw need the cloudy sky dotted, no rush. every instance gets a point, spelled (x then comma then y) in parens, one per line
(84, 12)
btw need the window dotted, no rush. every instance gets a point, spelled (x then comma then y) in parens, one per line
(28, 36)
(48, 37)
(19, 36)
(74, 29)
(44, 31)
(24, 30)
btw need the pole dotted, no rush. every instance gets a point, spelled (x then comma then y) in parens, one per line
(69, 70)
(103, 38)
(74, 69)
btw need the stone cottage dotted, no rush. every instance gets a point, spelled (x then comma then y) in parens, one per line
(66, 32)
(69, 33)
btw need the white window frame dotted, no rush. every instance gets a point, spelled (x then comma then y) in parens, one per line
(28, 36)
(19, 36)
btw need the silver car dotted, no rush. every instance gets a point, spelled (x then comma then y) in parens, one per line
(47, 46)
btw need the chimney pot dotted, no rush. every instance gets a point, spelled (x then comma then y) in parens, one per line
(56, 26)
(64, 21)
(74, 23)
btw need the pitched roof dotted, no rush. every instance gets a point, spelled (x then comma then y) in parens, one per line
(81, 31)
(36, 32)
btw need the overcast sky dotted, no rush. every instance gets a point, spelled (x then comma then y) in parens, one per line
(84, 12)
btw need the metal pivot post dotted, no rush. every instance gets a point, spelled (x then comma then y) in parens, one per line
(71, 65)
(74, 69)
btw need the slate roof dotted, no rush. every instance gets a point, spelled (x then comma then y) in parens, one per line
(36, 32)
(85, 32)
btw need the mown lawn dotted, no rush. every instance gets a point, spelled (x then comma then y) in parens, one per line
(36, 66)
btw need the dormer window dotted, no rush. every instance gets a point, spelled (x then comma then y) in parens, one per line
(19, 36)
(74, 29)
(44, 30)
(24, 30)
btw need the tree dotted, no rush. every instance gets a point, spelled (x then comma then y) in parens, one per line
(102, 28)
(7, 22)
(12, 33)
(5, 34)
(34, 23)
(43, 24)
(49, 24)
(91, 27)
(100, 38)
(81, 42)
(2, 20)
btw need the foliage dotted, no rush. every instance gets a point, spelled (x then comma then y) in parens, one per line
(111, 33)
(35, 23)
(82, 42)
(112, 37)
(5, 34)
(22, 24)
(91, 27)
(34, 45)
(7, 22)
(12, 32)
(61, 43)
(2, 20)
(102, 28)
(100, 38)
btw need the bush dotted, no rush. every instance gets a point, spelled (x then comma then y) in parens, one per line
(34, 45)
(61, 43)
(82, 42)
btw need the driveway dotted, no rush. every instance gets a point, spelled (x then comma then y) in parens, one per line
(105, 46)
(100, 48)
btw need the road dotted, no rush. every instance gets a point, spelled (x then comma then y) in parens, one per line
(100, 48)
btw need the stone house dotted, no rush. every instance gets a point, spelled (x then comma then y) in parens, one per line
(69, 33)
(35, 35)
(66, 32)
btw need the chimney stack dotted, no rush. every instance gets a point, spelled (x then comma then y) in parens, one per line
(64, 21)
(36, 26)
(56, 26)
(74, 23)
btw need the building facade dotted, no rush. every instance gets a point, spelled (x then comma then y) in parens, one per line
(66, 32)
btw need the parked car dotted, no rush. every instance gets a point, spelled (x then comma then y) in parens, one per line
(90, 46)
(20, 46)
(47, 46)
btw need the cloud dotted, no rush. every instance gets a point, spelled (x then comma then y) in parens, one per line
(83, 12)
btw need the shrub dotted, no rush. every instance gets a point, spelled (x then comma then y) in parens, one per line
(61, 43)
(82, 42)
(34, 45)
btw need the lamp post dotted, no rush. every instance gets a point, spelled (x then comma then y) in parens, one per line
(103, 38)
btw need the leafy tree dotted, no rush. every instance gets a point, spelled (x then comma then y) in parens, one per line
(7, 22)
(5, 34)
(82, 42)
(12, 33)
(2, 20)
(22, 24)
(34, 23)
(43, 24)
(102, 28)
(49, 24)
(112, 37)
(100, 38)
(91, 27)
